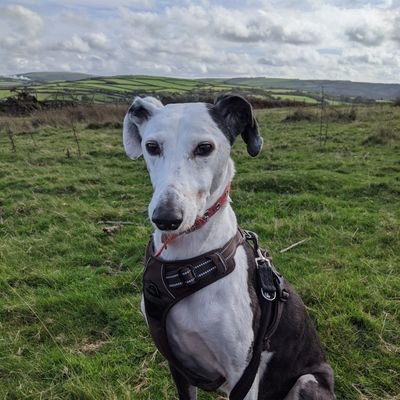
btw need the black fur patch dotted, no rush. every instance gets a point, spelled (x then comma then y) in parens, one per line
(297, 351)
(234, 116)
(219, 121)
(139, 112)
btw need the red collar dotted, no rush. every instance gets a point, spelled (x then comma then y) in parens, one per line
(200, 221)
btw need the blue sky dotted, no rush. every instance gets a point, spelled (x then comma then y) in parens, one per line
(336, 39)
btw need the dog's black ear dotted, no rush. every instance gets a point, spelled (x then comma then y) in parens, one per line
(138, 114)
(236, 115)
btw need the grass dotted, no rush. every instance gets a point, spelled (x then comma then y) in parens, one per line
(70, 326)
(4, 93)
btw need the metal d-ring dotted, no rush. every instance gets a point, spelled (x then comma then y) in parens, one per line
(267, 296)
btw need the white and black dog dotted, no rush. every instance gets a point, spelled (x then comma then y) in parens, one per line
(211, 332)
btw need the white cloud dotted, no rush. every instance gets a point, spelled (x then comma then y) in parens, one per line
(21, 17)
(366, 35)
(75, 45)
(97, 41)
(96, 4)
(333, 39)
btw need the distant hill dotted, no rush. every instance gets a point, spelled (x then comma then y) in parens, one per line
(78, 87)
(374, 91)
(9, 80)
(43, 77)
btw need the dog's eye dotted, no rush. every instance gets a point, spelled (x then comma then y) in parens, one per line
(203, 149)
(153, 148)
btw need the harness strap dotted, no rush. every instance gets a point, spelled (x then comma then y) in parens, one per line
(272, 296)
(165, 283)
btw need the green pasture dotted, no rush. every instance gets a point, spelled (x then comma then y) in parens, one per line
(7, 82)
(305, 99)
(338, 102)
(4, 93)
(108, 89)
(284, 91)
(117, 87)
(70, 326)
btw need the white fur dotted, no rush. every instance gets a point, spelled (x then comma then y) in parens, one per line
(212, 329)
(177, 174)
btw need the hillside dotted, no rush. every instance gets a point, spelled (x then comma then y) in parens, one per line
(6, 82)
(374, 91)
(79, 87)
(44, 77)
(111, 89)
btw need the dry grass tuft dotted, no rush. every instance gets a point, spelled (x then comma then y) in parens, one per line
(382, 137)
(94, 116)
(332, 114)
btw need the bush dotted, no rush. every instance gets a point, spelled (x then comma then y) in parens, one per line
(108, 124)
(340, 115)
(301, 115)
(95, 116)
(331, 114)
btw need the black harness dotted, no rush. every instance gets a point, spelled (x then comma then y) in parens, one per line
(166, 283)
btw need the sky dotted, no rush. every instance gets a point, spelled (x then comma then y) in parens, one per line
(356, 40)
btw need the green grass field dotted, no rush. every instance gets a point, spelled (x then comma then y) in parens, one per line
(70, 326)
(110, 89)
(293, 97)
(120, 88)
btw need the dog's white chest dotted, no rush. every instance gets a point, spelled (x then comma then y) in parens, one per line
(211, 331)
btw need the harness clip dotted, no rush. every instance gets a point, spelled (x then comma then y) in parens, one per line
(188, 275)
(267, 277)
(251, 236)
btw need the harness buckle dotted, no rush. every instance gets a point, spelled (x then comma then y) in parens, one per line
(188, 275)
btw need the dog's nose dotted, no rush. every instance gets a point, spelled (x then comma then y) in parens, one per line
(166, 219)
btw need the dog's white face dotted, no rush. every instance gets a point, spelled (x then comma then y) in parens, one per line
(187, 155)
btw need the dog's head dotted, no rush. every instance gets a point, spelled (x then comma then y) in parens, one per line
(187, 152)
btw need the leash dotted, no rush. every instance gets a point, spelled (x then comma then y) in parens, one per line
(272, 296)
(200, 221)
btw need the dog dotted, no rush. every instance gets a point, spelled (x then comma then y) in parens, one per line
(209, 336)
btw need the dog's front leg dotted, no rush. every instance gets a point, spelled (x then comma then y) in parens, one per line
(185, 390)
